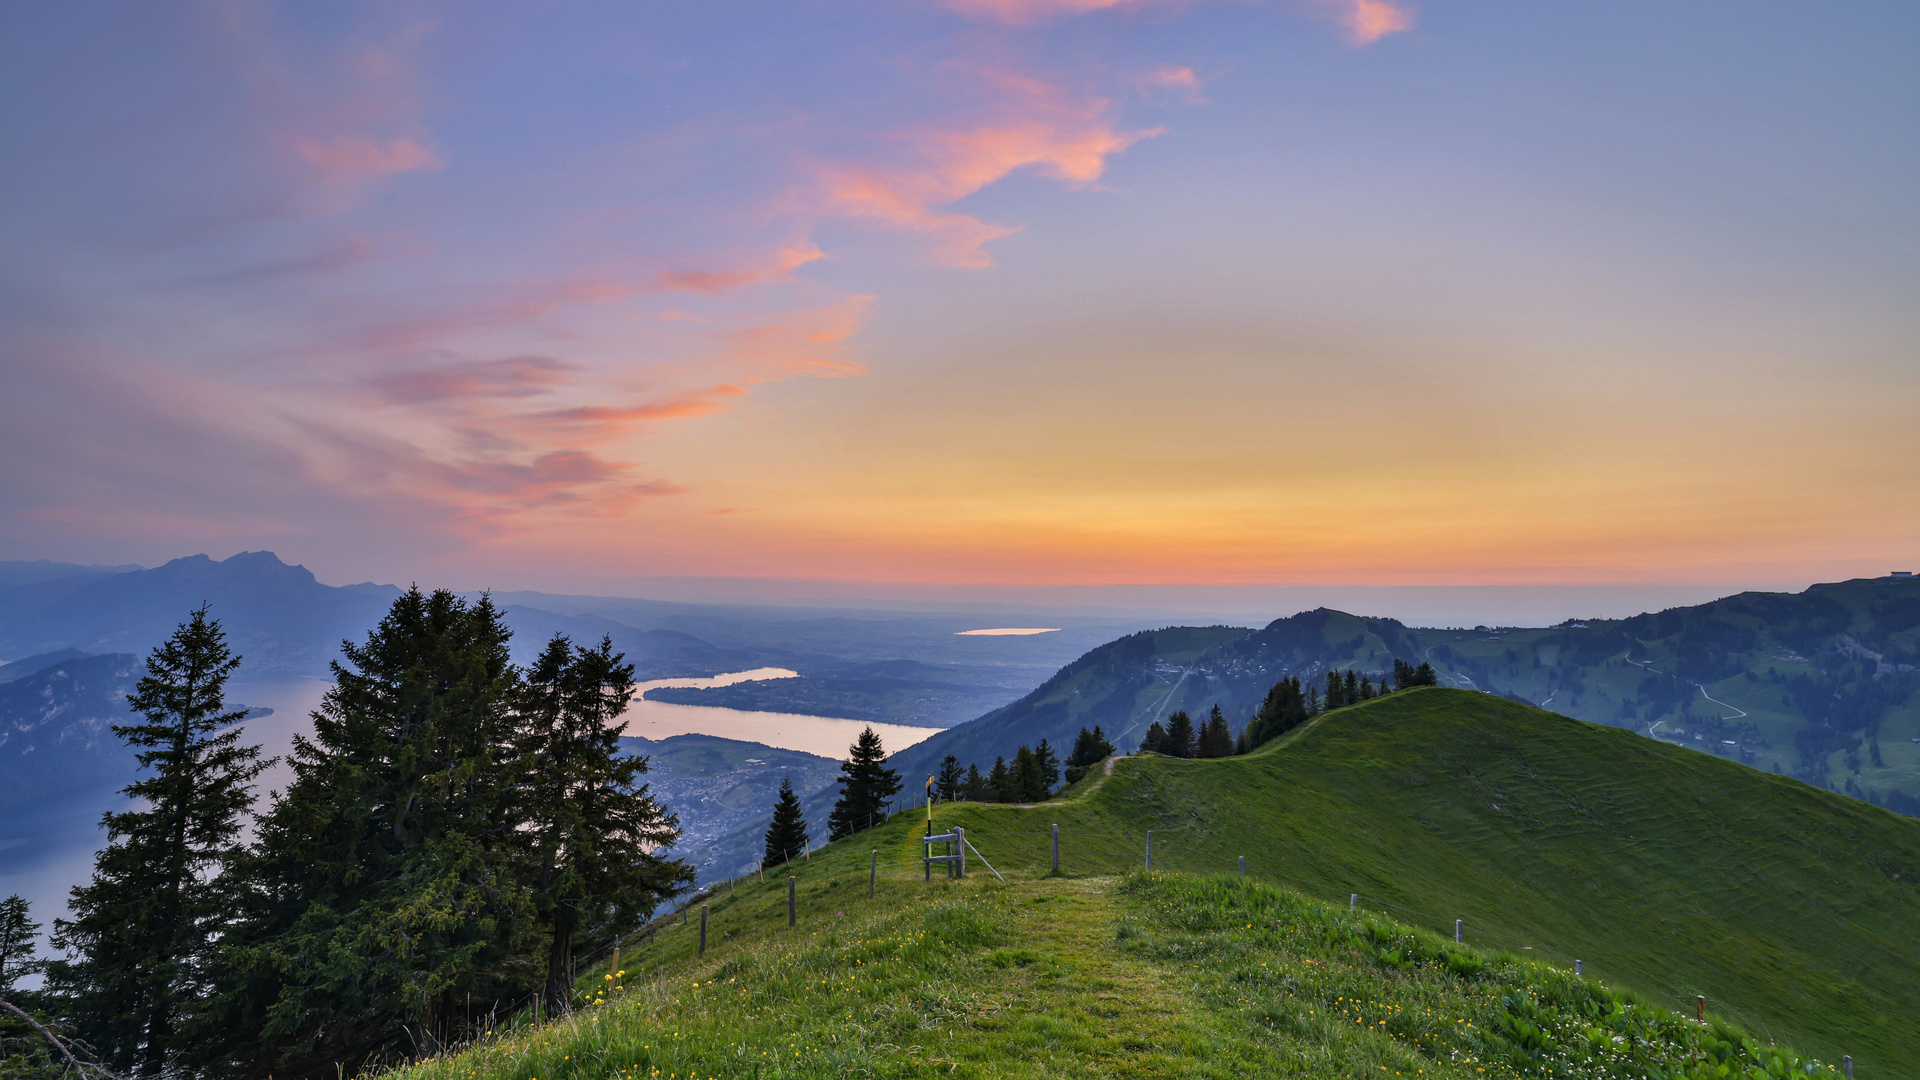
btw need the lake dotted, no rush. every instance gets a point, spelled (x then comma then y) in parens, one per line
(827, 736)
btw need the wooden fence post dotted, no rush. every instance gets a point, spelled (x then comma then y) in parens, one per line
(1353, 902)
(873, 872)
(703, 929)
(1243, 866)
(1700, 1007)
(791, 909)
(1149, 849)
(961, 845)
(1056, 847)
(1459, 931)
(1576, 968)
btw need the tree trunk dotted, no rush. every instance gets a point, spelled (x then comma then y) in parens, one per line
(560, 963)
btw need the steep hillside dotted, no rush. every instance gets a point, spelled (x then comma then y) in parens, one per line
(56, 728)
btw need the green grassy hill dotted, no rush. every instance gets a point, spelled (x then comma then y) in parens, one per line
(1668, 873)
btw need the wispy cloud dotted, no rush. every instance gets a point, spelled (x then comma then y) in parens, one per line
(1367, 21)
(1041, 127)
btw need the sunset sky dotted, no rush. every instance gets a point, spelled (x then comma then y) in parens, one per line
(978, 291)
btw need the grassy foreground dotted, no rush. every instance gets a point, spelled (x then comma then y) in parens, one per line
(1146, 975)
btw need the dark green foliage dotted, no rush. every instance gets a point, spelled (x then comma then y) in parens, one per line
(975, 788)
(144, 928)
(1154, 739)
(1180, 737)
(1350, 688)
(591, 827)
(1215, 738)
(1048, 764)
(17, 930)
(865, 786)
(1090, 748)
(23, 1052)
(787, 835)
(1284, 709)
(1000, 782)
(1406, 676)
(400, 873)
(1336, 690)
(950, 783)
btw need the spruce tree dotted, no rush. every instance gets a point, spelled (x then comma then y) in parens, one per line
(974, 788)
(1049, 763)
(1350, 688)
(145, 927)
(17, 931)
(22, 1050)
(1216, 737)
(1090, 748)
(385, 877)
(1179, 741)
(1155, 739)
(593, 827)
(1000, 781)
(787, 834)
(951, 779)
(865, 786)
(1024, 777)
(1336, 691)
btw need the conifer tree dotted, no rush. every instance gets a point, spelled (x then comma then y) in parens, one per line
(1284, 709)
(23, 1050)
(1090, 748)
(1000, 781)
(1179, 741)
(1155, 739)
(591, 824)
(385, 876)
(1366, 689)
(1049, 765)
(144, 928)
(17, 931)
(1336, 691)
(1025, 782)
(1350, 688)
(951, 780)
(1424, 675)
(787, 835)
(1215, 737)
(975, 788)
(865, 786)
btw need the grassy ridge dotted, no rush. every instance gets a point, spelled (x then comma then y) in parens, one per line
(1669, 873)
(1148, 976)
(1793, 910)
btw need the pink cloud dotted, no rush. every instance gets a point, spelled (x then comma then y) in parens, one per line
(1367, 21)
(1045, 130)
(1180, 80)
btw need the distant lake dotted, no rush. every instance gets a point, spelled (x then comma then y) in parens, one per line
(827, 736)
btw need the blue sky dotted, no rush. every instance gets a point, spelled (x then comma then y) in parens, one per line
(1046, 291)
